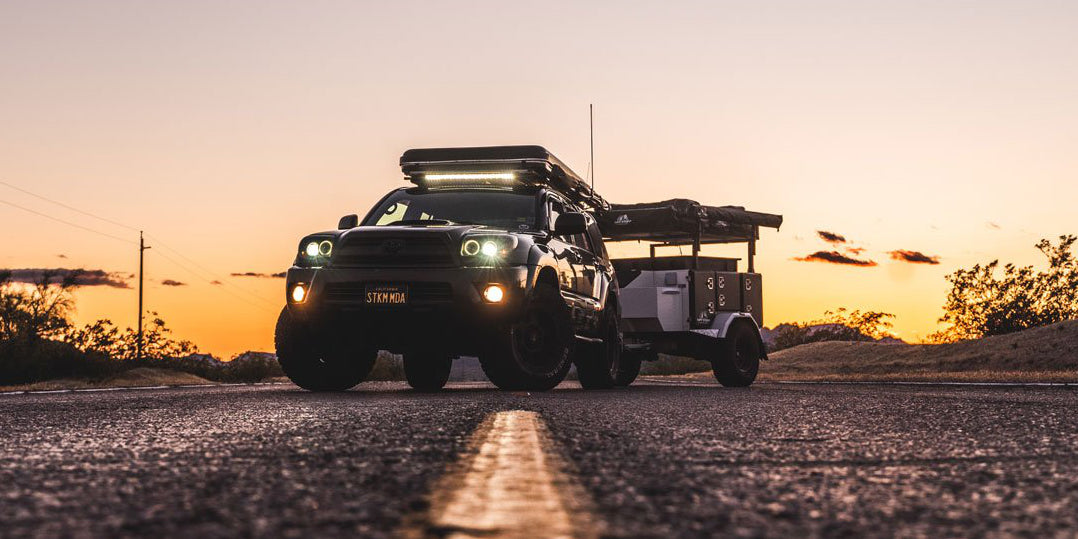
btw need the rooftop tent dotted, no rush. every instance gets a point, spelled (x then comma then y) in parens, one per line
(494, 166)
(683, 221)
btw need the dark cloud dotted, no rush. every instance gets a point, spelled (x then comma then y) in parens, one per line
(835, 257)
(82, 277)
(61, 256)
(855, 250)
(914, 257)
(831, 237)
(171, 282)
(215, 281)
(260, 275)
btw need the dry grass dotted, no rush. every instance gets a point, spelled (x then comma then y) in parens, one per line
(139, 377)
(1047, 354)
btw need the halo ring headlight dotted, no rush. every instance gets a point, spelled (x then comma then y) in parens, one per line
(325, 248)
(470, 248)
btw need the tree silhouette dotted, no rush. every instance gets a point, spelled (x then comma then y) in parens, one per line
(981, 304)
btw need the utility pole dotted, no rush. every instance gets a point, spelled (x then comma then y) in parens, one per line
(141, 249)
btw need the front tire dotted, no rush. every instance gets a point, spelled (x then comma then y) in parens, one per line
(315, 361)
(427, 371)
(739, 355)
(533, 352)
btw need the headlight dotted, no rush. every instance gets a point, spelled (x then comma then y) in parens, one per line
(470, 248)
(314, 252)
(488, 248)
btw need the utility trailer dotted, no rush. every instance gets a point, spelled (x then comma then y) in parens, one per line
(697, 306)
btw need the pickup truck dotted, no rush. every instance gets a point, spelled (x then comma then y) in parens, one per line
(500, 253)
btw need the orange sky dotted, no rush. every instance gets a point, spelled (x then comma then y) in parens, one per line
(229, 129)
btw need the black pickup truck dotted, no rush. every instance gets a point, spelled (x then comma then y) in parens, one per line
(498, 252)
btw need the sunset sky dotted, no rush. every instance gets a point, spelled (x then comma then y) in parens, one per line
(229, 129)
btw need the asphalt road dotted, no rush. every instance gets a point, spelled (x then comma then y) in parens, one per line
(655, 460)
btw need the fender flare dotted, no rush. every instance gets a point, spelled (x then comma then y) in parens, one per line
(720, 325)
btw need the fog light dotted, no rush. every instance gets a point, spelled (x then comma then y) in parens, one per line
(493, 293)
(299, 293)
(490, 248)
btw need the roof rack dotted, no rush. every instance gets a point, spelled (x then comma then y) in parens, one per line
(682, 221)
(497, 166)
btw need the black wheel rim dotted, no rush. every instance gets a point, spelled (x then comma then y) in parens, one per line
(536, 342)
(745, 355)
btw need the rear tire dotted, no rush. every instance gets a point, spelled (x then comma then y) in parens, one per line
(320, 361)
(427, 371)
(629, 368)
(738, 360)
(533, 352)
(598, 365)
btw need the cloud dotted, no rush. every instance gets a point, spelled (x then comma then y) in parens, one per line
(215, 281)
(914, 257)
(82, 277)
(993, 226)
(835, 257)
(170, 282)
(831, 237)
(279, 275)
(855, 250)
(61, 256)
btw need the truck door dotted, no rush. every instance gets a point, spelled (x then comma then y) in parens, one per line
(562, 249)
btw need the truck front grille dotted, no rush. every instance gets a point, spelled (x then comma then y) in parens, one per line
(418, 293)
(394, 252)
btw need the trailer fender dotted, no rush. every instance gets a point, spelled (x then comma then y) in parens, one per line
(721, 325)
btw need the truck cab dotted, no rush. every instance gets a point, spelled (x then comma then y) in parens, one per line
(492, 252)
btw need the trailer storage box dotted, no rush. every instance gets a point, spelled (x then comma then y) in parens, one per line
(702, 305)
(727, 291)
(752, 296)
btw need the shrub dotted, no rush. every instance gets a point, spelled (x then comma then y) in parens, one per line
(981, 304)
(840, 325)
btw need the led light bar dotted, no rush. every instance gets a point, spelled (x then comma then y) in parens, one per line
(471, 176)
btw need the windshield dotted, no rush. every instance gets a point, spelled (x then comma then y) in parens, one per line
(498, 209)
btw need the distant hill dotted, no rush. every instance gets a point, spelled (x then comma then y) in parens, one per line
(1045, 353)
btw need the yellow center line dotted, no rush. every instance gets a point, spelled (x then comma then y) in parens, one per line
(510, 485)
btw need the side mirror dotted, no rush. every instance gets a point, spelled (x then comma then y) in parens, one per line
(570, 223)
(348, 221)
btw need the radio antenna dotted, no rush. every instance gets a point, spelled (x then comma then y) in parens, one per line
(591, 135)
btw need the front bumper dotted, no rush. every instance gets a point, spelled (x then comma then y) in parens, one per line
(445, 307)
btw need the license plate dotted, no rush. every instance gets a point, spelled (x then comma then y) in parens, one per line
(387, 294)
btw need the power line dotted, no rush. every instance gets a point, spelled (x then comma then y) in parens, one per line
(209, 272)
(225, 290)
(72, 208)
(69, 223)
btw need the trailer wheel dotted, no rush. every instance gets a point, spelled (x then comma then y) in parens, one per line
(738, 360)
(533, 352)
(598, 365)
(427, 371)
(320, 362)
